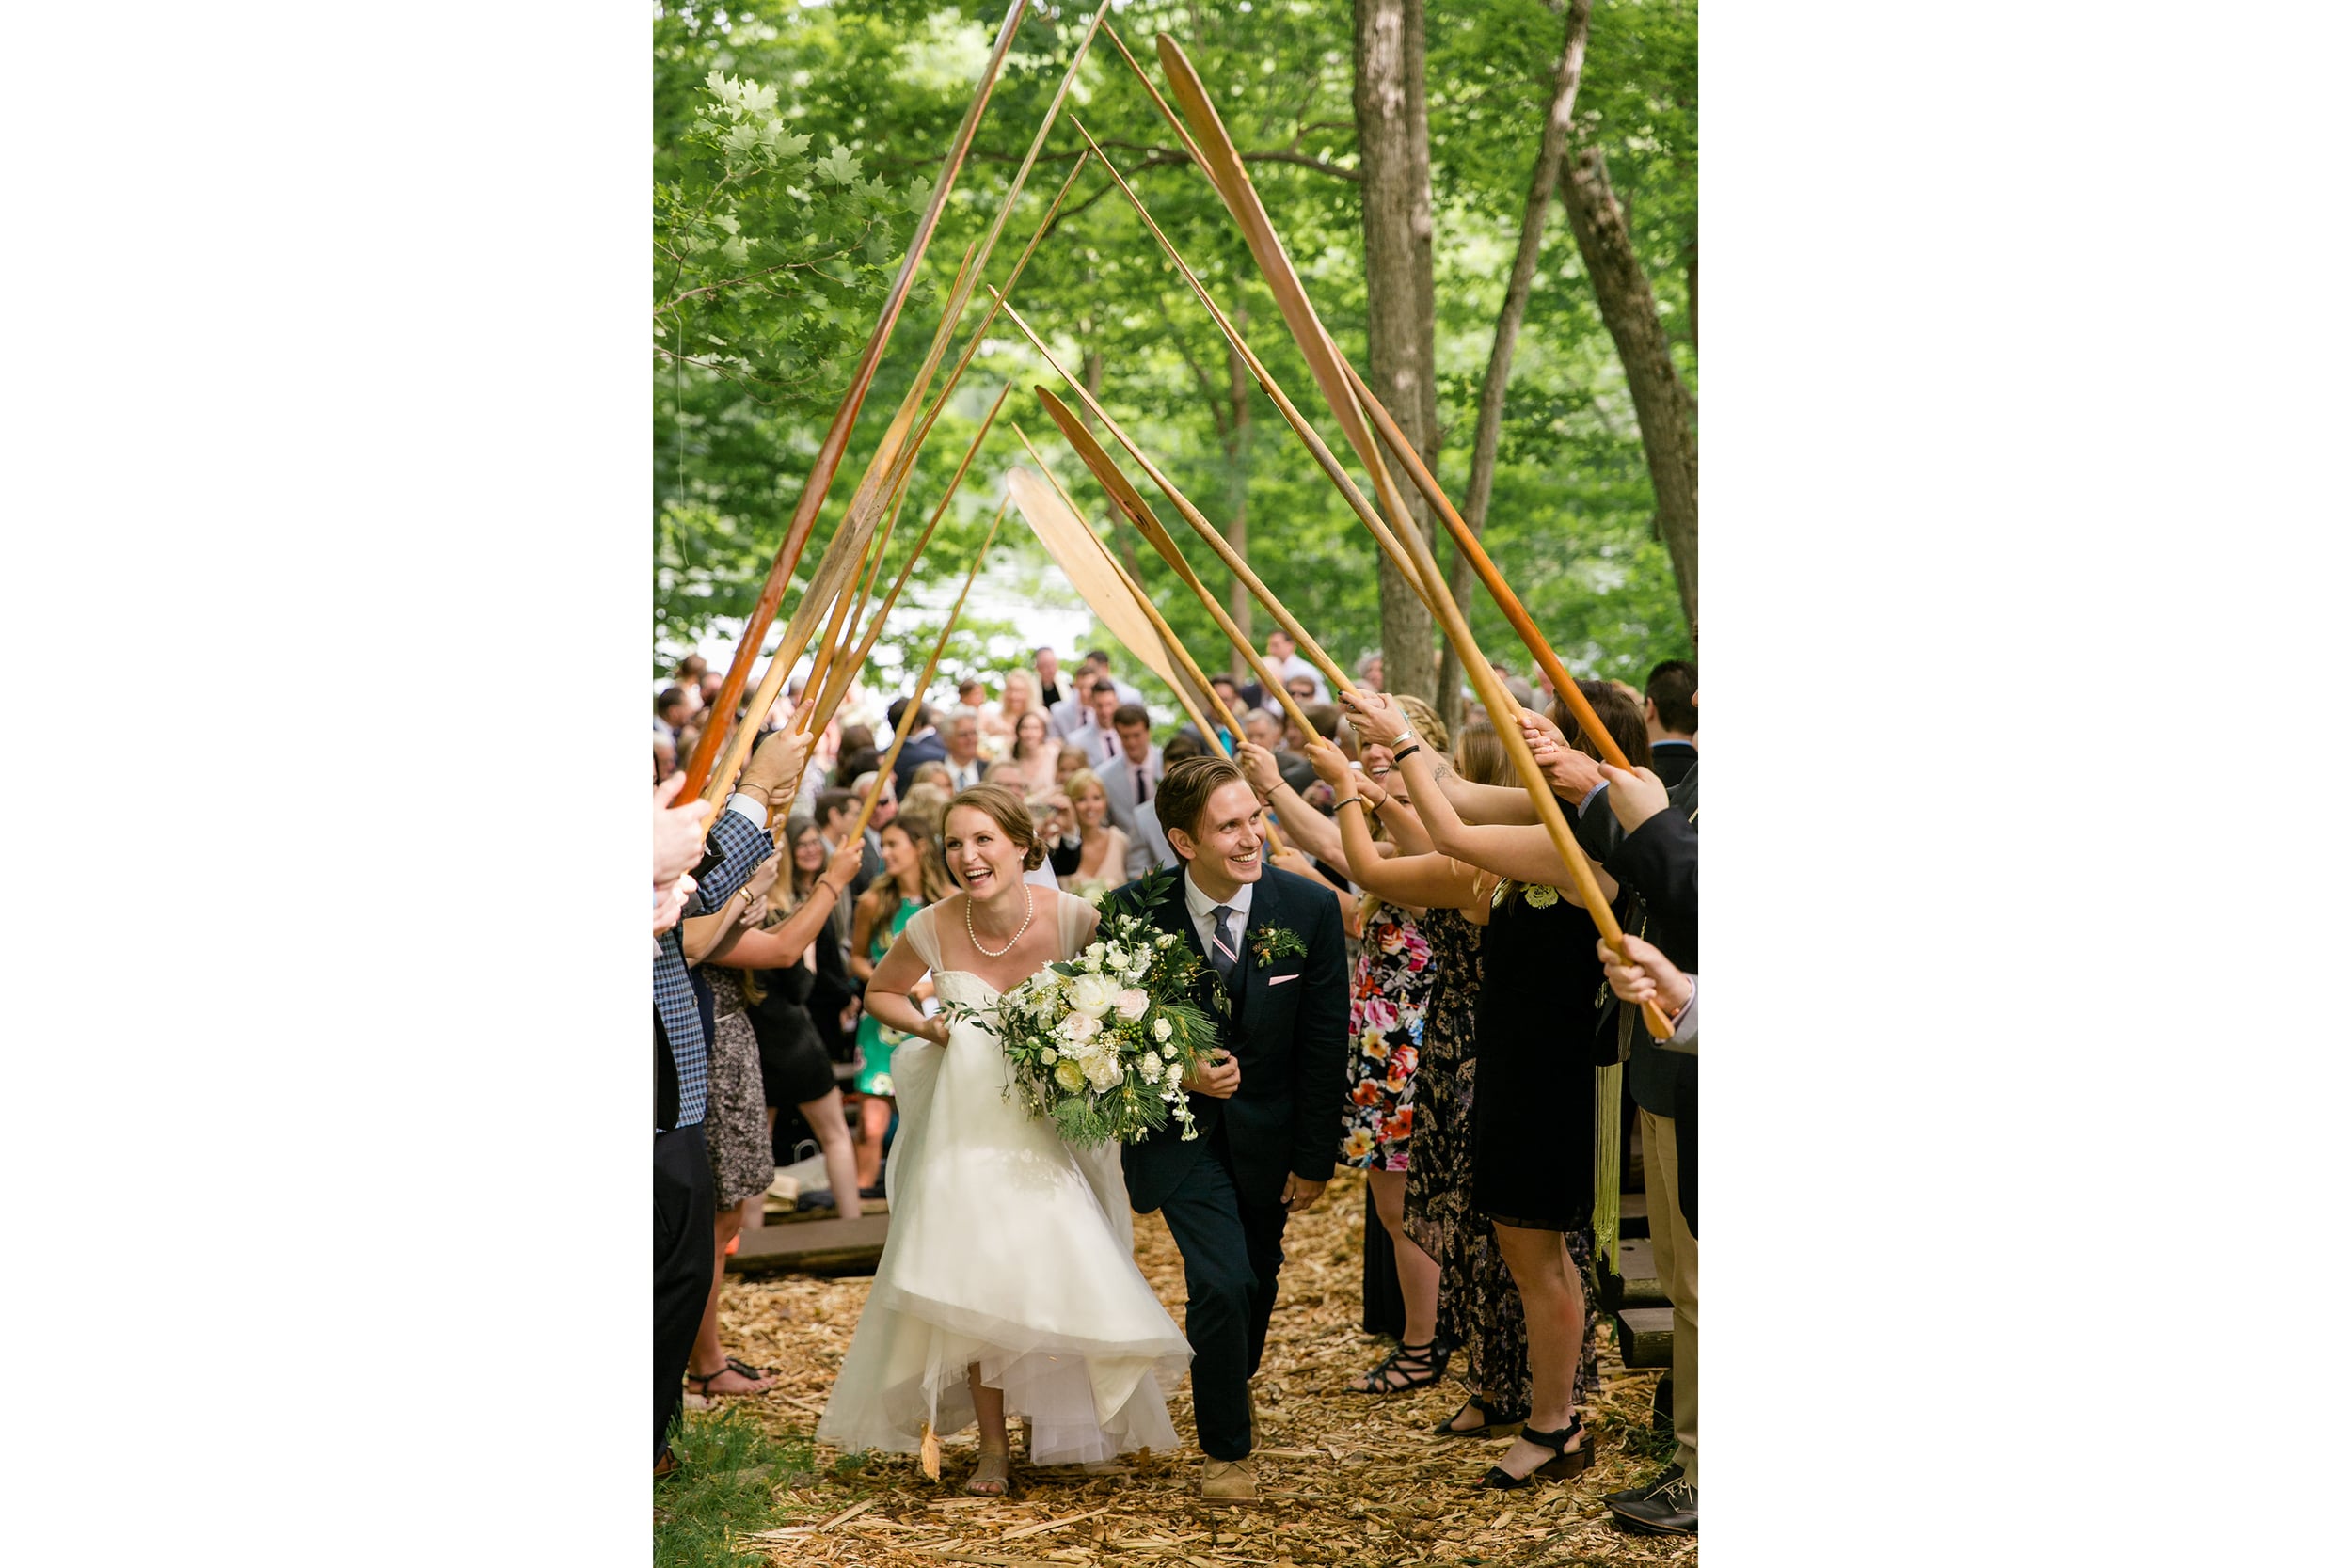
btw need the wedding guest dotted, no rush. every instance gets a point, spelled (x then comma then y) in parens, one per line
(677, 847)
(1671, 710)
(1536, 1026)
(1102, 845)
(1282, 654)
(1264, 729)
(1068, 764)
(912, 877)
(1646, 975)
(683, 1195)
(1097, 740)
(1007, 773)
(1051, 692)
(996, 718)
(1020, 698)
(735, 1132)
(963, 736)
(1035, 751)
(926, 803)
(1132, 778)
(1396, 974)
(794, 1067)
(671, 711)
(664, 756)
(923, 743)
(1368, 670)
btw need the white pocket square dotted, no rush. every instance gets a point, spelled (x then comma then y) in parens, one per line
(1280, 979)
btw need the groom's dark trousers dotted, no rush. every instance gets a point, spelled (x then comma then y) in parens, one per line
(1284, 1018)
(1233, 1251)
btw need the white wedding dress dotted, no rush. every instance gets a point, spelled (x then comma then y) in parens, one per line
(1007, 1248)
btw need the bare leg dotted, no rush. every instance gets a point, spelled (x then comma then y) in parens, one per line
(832, 1135)
(988, 1480)
(1554, 1299)
(710, 1359)
(1416, 1270)
(874, 1121)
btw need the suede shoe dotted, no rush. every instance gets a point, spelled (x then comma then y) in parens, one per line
(1672, 1510)
(1223, 1483)
(1664, 1478)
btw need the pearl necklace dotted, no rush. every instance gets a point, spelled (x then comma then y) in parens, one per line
(998, 953)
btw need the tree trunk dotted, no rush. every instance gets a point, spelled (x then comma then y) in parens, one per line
(1392, 143)
(1667, 412)
(1237, 387)
(1488, 439)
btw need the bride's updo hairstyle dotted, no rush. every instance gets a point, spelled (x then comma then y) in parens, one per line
(1009, 810)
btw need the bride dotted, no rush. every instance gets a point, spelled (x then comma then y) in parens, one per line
(1008, 1282)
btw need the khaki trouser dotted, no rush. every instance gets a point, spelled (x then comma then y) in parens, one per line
(1676, 1251)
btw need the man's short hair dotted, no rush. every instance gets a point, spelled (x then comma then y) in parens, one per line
(1228, 682)
(1099, 657)
(1105, 684)
(1183, 744)
(1130, 713)
(1184, 791)
(1324, 718)
(922, 714)
(833, 802)
(1672, 686)
(962, 717)
(671, 697)
(1259, 715)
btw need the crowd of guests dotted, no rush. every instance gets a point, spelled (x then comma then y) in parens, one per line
(1482, 1002)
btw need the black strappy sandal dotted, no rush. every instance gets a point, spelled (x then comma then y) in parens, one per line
(1499, 1422)
(1563, 1464)
(1418, 1364)
(742, 1369)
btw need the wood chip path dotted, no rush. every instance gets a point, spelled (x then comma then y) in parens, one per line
(1344, 1479)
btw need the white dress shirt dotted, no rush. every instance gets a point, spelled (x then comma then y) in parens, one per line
(965, 775)
(1204, 912)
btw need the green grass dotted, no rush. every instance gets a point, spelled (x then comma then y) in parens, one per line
(732, 1481)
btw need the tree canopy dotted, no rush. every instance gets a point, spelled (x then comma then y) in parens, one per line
(796, 145)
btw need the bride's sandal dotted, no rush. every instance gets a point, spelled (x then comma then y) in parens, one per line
(1407, 1368)
(991, 1477)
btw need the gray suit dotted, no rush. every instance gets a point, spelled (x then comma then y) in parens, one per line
(1147, 845)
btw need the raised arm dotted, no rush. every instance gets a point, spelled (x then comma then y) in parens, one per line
(1308, 829)
(862, 935)
(1378, 719)
(781, 946)
(1523, 854)
(1417, 881)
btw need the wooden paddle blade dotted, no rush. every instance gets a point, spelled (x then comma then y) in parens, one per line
(1079, 554)
(1106, 474)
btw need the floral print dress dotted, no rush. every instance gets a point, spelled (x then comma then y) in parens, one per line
(1386, 1012)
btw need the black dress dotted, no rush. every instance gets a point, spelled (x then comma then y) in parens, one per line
(793, 1065)
(1532, 1116)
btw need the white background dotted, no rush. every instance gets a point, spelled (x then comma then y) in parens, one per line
(326, 996)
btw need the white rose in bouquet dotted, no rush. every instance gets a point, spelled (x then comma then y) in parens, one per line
(1131, 1004)
(1161, 1029)
(1103, 1069)
(1077, 1028)
(1049, 1055)
(1092, 995)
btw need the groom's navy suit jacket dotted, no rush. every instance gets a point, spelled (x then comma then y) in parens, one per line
(1287, 1029)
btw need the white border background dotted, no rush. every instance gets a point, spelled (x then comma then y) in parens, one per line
(2025, 547)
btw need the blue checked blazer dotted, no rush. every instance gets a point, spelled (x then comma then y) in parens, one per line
(741, 845)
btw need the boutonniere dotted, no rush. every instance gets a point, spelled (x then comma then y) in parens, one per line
(1276, 941)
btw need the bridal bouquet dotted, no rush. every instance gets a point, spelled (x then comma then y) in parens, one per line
(1099, 1042)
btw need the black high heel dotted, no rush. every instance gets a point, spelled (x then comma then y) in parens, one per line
(1499, 1422)
(1563, 1464)
(1418, 1364)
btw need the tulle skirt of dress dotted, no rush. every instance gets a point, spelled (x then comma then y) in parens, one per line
(1010, 1250)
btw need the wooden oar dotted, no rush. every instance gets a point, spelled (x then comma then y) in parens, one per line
(856, 528)
(1507, 601)
(914, 699)
(1233, 182)
(1130, 503)
(847, 610)
(1177, 656)
(836, 440)
(1214, 150)
(1166, 633)
(846, 671)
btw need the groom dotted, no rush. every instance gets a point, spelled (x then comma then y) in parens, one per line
(1268, 1112)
